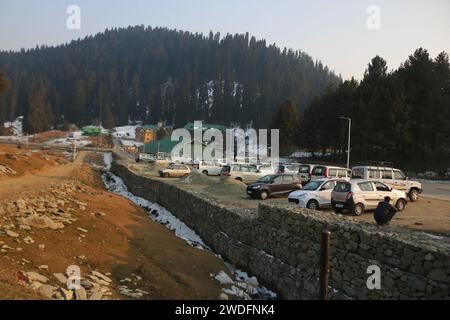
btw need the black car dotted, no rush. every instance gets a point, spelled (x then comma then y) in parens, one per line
(274, 184)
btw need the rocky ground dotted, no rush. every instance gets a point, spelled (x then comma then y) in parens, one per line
(64, 237)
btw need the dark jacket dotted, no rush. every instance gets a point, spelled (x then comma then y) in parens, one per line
(384, 212)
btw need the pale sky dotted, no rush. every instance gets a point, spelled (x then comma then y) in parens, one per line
(334, 32)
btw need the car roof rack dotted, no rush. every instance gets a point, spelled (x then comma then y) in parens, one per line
(385, 164)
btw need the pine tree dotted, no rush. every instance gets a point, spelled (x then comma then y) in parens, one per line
(287, 121)
(38, 116)
(3, 83)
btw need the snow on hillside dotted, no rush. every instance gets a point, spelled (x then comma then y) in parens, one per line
(301, 154)
(79, 142)
(126, 132)
(16, 126)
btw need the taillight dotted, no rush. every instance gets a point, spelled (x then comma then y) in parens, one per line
(349, 195)
(326, 173)
(309, 175)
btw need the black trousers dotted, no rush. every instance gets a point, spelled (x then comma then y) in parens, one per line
(387, 219)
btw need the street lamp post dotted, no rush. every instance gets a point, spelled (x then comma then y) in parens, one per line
(349, 139)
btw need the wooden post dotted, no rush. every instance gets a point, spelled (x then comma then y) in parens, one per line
(324, 264)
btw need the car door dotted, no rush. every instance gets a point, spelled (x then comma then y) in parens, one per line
(383, 191)
(369, 195)
(324, 193)
(288, 184)
(245, 174)
(399, 181)
(277, 185)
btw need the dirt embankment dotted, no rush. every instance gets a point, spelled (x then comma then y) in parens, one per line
(15, 162)
(55, 216)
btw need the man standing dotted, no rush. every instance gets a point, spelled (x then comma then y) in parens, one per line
(384, 212)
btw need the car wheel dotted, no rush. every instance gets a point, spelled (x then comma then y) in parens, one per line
(414, 195)
(359, 209)
(313, 205)
(264, 195)
(338, 210)
(166, 175)
(400, 205)
(205, 173)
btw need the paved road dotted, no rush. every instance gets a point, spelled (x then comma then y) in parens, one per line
(439, 191)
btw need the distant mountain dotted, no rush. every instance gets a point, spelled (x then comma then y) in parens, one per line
(150, 74)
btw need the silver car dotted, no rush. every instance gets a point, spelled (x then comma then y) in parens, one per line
(360, 195)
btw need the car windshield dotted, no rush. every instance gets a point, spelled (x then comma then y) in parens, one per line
(267, 179)
(304, 169)
(313, 185)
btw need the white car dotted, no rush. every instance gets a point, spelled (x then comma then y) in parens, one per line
(266, 169)
(210, 168)
(315, 194)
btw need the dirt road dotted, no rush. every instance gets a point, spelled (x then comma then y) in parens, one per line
(439, 191)
(109, 234)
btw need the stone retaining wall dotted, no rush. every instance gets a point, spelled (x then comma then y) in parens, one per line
(281, 244)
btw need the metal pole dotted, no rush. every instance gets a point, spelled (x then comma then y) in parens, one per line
(349, 141)
(324, 264)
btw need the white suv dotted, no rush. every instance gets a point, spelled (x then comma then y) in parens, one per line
(394, 178)
(314, 195)
(209, 168)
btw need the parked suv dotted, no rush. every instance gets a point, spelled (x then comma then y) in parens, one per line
(394, 178)
(320, 172)
(209, 168)
(244, 173)
(314, 195)
(360, 195)
(274, 185)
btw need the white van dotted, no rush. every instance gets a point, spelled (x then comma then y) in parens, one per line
(320, 172)
(394, 178)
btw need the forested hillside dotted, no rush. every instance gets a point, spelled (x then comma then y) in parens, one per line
(157, 74)
(401, 116)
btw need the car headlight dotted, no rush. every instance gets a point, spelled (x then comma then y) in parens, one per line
(257, 187)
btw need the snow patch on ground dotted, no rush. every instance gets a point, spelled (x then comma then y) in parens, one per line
(130, 143)
(69, 142)
(108, 160)
(223, 278)
(157, 213)
(243, 286)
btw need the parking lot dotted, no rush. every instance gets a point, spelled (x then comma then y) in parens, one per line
(428, 214)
